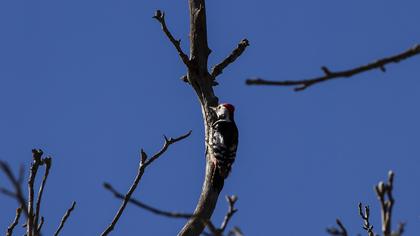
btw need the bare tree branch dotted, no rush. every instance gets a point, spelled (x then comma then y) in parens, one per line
(231, 211)
(200, 79)
(31, 225)
(47, 161)
(341, 231)
(330, 75)
(215, 231)
(237, 52)
(17, 186)
(160, 16)
(365, 216)
(14, 223)
(384, 190)
(40, 225)
(64, 219)
(140, 204)
(144, 162)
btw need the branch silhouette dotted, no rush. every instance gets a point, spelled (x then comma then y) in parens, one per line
(144, 162)
(300, 85)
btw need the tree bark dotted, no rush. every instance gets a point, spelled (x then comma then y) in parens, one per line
(200, 79)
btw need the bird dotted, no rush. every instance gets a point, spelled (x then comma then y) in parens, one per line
(224, 139)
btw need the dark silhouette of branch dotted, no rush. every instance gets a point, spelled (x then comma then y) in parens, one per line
(213, 229)
(64, 219)
(383, 191)
(231, 211)
(160, 16)
(144, 162)
(32, 223)
(237, 52)
(14, 223)
(330, 75)
(31, 207)
(140, 204)
(17, 186)
(41, 223)
(365, 216)
(47, 161)
(340, 231)
(386, 200)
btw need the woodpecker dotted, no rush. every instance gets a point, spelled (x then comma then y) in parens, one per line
(224, 140)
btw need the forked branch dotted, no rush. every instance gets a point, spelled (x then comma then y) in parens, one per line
(47, 162)
(31, 208)
(32, 224)
(172, 214)
(365, 216)
(144, 162)
(202, 82)
(231, 211)
(384, 194)
(160, 16)
(300, 85)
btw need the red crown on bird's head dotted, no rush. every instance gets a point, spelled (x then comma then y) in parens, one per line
(230, 107)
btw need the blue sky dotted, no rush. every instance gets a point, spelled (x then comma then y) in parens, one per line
(92, 82)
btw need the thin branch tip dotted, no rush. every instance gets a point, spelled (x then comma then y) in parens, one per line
(160, 17)
(64, 219)
(235, 54)
(144, 163)
(15, 222)
(303, 84)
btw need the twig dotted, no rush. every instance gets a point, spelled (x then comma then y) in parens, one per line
(140, 204)
(329, 75)
(14, 223)
(31, 226)
(144, 162)
(237, 52)
(47, 161)
(40, 225)
(160, 16)
(64, 219)
(341, 231)
(365, 216)
(17, 185)
(384, 190)
(231, 211)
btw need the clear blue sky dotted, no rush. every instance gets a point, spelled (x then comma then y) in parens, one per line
(91, 82)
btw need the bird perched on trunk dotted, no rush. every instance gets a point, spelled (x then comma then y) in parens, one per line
(224, 140)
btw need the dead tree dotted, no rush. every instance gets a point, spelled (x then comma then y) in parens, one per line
(202, 81)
